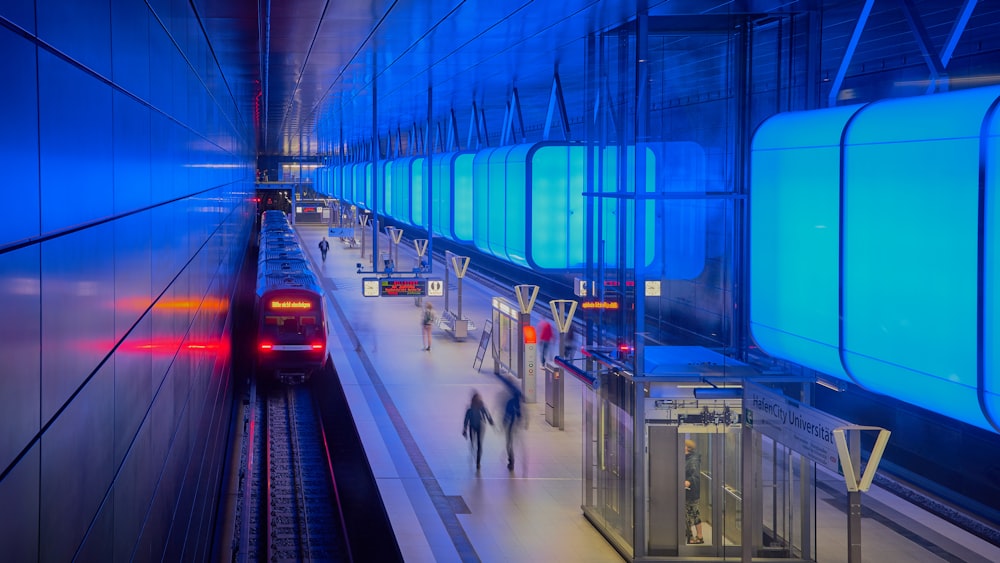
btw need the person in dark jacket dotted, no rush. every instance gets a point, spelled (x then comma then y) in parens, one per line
(512, 420)
(324, 247)
(692, 492)
(473, 425)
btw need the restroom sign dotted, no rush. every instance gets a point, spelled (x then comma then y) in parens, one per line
(435, 288)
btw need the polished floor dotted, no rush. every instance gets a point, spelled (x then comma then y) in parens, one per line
(408, 404)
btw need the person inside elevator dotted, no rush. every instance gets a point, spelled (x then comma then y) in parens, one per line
(692, 493)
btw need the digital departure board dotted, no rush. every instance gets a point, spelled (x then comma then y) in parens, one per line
(402, 287)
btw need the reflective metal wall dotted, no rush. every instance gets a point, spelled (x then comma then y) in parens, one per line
(126, 172)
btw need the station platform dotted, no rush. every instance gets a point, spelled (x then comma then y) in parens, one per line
(409, 403)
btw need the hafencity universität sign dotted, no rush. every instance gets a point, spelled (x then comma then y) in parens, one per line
(784, 420)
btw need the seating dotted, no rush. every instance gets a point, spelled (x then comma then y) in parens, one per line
(458, 328)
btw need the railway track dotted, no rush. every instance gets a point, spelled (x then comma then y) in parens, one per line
(292, 509)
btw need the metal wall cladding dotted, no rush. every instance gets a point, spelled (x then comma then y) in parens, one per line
(19, 143)
(20, 354)
(118, 258)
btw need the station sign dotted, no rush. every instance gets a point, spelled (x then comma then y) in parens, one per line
(809, 431)
(402, 287)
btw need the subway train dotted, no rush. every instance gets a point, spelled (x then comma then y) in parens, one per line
(291, 318)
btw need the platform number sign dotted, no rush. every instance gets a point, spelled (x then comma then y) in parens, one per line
(435, 288)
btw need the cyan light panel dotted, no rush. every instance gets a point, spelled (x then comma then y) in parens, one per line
(557, 185)
(613, 210)
(991, 267)
(443, 187)
(386, 187)
(795, 237)
(480, 199)
(369, 186)
(462, 197)
(518, 186)
(910, 259)
(418, 194)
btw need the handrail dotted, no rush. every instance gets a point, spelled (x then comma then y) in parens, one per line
(587, 379)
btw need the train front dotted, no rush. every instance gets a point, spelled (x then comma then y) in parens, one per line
(291, 334)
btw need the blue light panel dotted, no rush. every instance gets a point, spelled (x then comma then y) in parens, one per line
(441, 202)
(991, 268)
(909, 247)
(679, 167)
(557, 206)
(910, 250)
(795, 237)
(418, 194)
(462, 197)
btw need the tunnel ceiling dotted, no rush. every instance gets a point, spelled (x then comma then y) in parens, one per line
(305, 72)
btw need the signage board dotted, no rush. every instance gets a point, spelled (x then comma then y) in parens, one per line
(402, 287)
(435, 287)
(802, 428)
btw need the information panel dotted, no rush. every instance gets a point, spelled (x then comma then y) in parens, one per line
(802, 428)
(402, 287)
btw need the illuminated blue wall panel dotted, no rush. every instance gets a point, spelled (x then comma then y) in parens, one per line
(613, 210)
(462, 206)
(558, 180)
(442, 178)
(901, 179)
(680, 224)
(910, 249)
(991, 266)
(795, 237)
(121, 252)
(452, 201)
(384, 187)
(419, 210)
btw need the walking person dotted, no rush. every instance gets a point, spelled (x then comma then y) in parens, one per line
(692, 492)
(512, 420)
(545, 335)
(473, 425)
(324, 247)
(427, 320)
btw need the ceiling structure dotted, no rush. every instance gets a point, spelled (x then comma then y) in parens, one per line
(306, 72)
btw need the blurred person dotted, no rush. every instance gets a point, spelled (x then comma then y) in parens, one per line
(692, 492)
(512, 418)
(473, 425)
(545, 336)
(427, 320)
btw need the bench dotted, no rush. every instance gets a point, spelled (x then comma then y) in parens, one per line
(459, 328)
